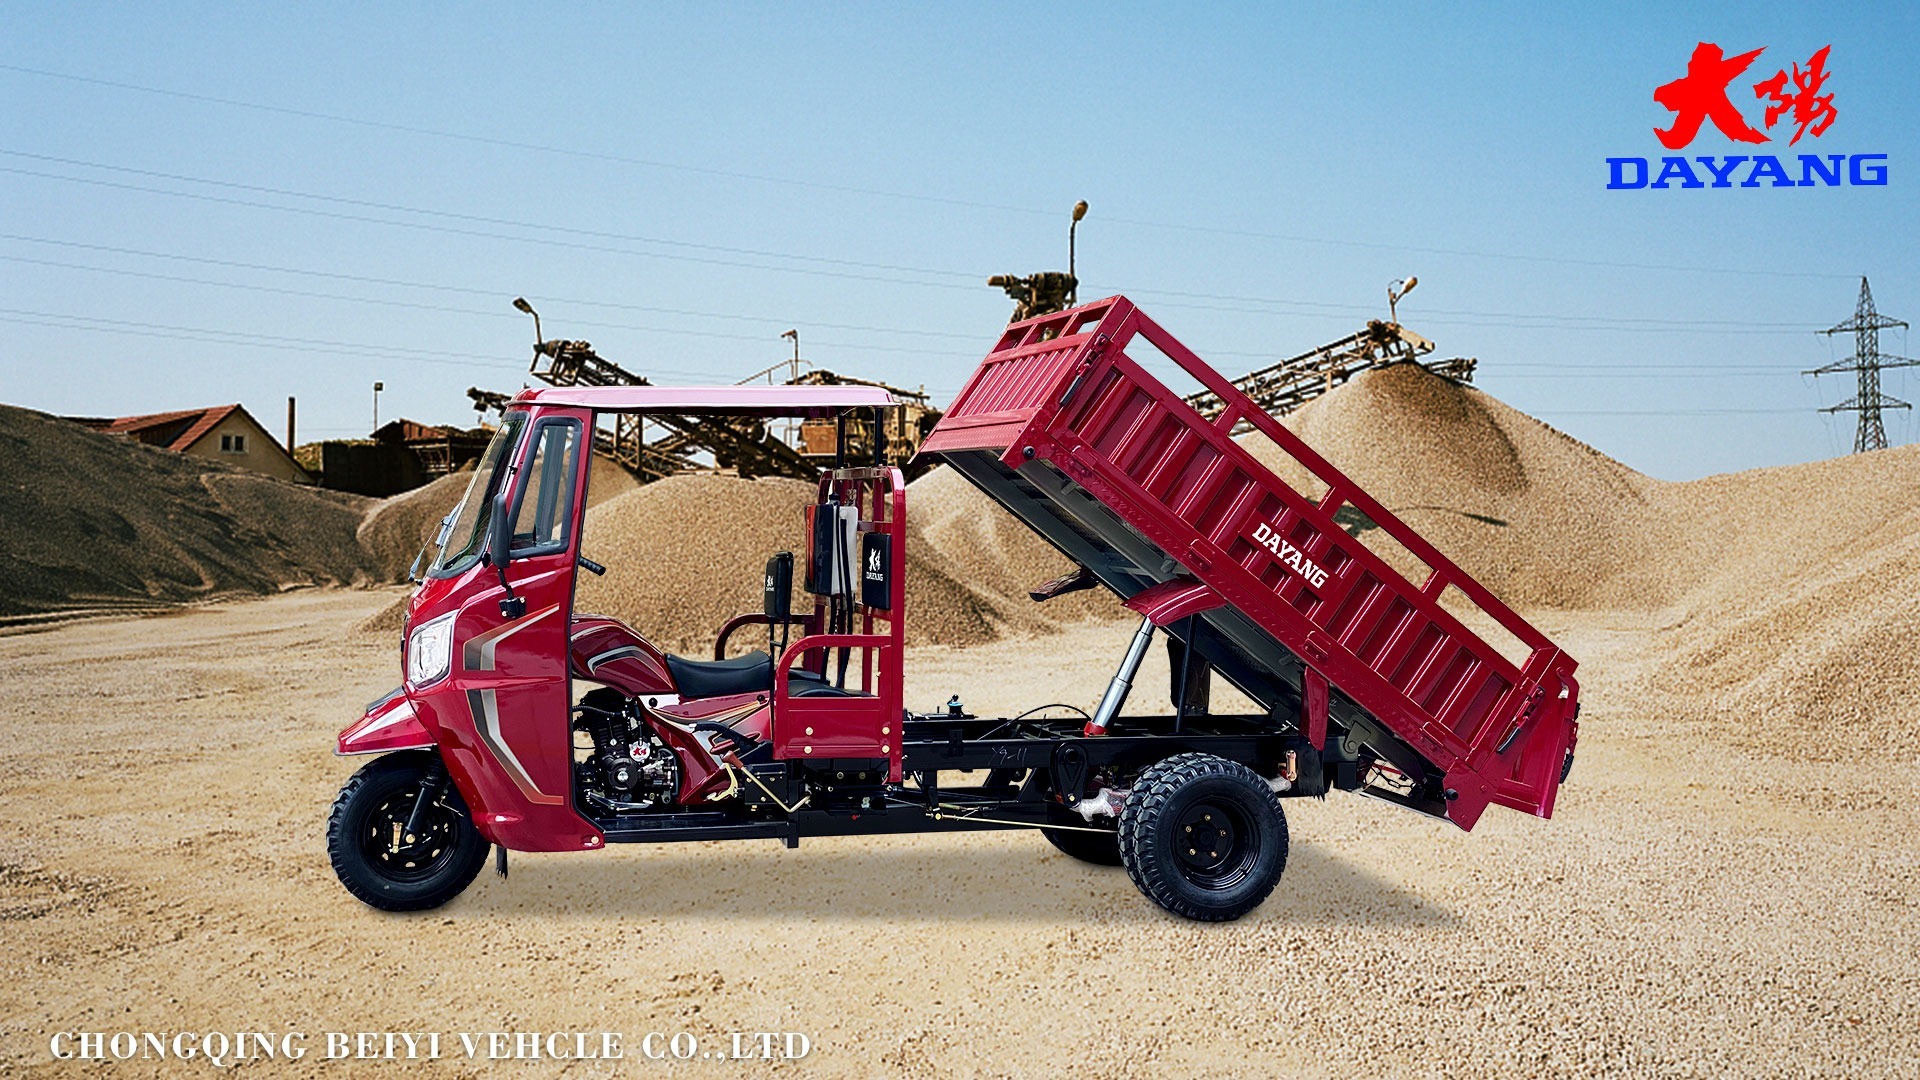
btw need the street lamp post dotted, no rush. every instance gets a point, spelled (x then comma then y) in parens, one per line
(520, 304)
(1396, 290)
(377, 387)
(1079, 211)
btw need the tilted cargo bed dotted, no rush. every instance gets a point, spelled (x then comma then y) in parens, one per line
(1066, 430)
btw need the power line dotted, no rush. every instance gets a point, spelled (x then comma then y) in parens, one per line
(411, 305)
(1662, 412)
(515, 144)
(1455, 317)
(1438, 315)
(1515, 370)
(1531, 320)
(212, 335)
(1119, 219)
(481, 219)
(479, 233)
(469, 290)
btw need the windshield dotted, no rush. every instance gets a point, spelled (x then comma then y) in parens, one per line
(465, 530)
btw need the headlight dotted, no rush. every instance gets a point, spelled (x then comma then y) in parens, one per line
(430, 651)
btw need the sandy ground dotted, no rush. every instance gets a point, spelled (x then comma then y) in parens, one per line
(1693, 910)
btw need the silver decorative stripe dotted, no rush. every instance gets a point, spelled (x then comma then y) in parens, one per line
(610, 655)
(486, 721)
(478, 652)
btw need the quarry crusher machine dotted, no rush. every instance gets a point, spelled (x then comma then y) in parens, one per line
(524, 724)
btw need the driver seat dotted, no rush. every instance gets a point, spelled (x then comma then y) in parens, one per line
(748, 674)
(751, 673)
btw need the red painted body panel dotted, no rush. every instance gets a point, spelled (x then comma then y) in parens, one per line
(1173, 600)
(389, 724)
(747, 713)
(606, 650)
(501, 718)
(865, 724)
(1062, 406)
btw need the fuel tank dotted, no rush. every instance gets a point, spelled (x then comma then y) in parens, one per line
(606, 650)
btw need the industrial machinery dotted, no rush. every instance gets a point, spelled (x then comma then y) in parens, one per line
(655, 446)
(1362, 679)
(1280, 388)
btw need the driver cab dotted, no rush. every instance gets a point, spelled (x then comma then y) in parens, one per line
(493, 646)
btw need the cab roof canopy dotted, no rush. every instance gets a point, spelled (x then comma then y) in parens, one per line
(808, 401)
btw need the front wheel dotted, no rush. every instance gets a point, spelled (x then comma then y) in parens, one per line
(394, 849)
(1203, 837)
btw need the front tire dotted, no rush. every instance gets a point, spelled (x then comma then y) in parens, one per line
(1203, 837)
(378, 860)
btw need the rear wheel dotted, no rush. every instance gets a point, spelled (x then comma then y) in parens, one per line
(1203, 837)
(380, 859)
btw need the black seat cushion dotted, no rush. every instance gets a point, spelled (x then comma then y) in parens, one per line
(749, 674)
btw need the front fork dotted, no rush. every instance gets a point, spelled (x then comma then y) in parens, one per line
(431, 784)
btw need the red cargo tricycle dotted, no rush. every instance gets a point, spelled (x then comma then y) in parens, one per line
(523, 724)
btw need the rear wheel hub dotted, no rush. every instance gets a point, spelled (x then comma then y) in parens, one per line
(1214, 845)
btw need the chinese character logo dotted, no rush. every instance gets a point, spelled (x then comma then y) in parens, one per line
(1808, 104)
(1702, 95)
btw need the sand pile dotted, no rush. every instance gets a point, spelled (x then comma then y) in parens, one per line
(99, 522)
(686, 554)
(1538, 517)
(978, 542)
(1800, 635)
(1788, 589)
(395, 529)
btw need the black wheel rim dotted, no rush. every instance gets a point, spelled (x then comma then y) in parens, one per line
(409, 857)
(1215, 844)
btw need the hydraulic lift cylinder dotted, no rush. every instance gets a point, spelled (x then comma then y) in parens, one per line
(1116, 694)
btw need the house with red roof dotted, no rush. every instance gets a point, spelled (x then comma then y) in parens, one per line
(226, 433)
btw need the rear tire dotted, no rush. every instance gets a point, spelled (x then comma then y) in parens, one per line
(386, 867)
(1203, 837)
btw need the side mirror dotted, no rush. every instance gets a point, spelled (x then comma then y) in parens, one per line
(499, 532)
(500, 553)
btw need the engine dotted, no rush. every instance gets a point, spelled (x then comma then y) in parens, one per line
(628, 768)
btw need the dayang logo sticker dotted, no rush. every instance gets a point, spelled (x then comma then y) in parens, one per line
(1291, 557)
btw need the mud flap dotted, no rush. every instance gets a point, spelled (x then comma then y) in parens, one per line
(1313, 708)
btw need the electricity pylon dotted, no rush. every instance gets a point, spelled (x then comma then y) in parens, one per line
(1867, 360)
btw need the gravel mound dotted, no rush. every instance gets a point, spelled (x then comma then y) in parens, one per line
(96, 522)
(1786, 593)
(395, 528)
(1800, 637)
(686, 554)
(1541, 519)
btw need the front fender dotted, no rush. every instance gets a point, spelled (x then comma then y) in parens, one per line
(390, 724)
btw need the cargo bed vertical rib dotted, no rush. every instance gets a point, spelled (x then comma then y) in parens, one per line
(1064, 428)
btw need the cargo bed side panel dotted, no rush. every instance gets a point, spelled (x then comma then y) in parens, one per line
(1072, 418)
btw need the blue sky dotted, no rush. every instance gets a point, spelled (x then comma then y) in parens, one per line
(204, 204)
